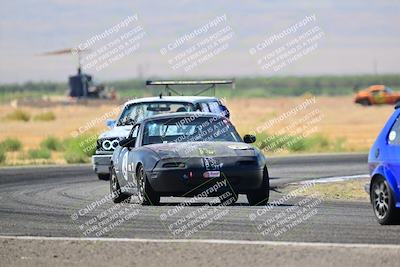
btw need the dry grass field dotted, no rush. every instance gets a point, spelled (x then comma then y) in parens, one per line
(340, 119)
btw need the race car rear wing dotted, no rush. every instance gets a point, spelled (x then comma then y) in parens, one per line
(211, 85)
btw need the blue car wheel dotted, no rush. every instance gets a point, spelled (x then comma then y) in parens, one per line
(383, 202)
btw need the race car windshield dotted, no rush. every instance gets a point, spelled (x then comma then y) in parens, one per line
(139, 111)
(189, 129)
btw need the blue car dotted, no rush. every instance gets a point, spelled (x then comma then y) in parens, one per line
(384, 168)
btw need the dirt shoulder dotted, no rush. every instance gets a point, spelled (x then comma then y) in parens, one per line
(14, 252)
(346, 190)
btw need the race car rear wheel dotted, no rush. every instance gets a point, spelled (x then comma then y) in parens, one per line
(260, 196)
(115, 189)
(383, 202)
(146, 194)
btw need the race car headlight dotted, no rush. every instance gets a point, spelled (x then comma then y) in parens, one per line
(106, 145)
(174, 164)
(115, 143)
(165, 154)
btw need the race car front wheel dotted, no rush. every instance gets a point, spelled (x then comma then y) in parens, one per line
(383, 203)
(146, 194)
(115, 190)
(260, 196)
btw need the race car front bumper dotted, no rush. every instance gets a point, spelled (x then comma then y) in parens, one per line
(101, 163)
(190, 180)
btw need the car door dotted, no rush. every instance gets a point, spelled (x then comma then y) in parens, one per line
(378, 97)
(124, 164)
(393, 150)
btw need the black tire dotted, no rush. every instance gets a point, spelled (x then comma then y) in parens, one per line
(260, 196)
(115, 190)
(383, 202)
(146, 194)
(103, 176)
(365, 102)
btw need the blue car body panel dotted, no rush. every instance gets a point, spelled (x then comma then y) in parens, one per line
(384, 158)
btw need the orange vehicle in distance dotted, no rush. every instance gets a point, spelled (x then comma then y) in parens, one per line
(377, 95)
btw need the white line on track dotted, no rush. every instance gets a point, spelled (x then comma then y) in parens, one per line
(334, 179)
(206, 241)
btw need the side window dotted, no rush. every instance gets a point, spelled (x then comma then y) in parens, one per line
(215, 107)
(218, 108)
(135, 130)
(204, 107)
(134, 134)
(388, 90)
(394, 133)
(376, 92)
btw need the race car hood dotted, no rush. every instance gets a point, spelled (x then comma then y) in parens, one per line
(202, 149)
(118, 131)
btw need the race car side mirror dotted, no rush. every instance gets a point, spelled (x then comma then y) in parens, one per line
(249, 139)
(225, 111)
(110, 123)
(127, 142)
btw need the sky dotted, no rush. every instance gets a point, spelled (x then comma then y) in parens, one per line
(354, 37)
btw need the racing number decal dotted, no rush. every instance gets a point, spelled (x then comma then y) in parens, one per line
(212, 167)
(211, 164)
(125, 166)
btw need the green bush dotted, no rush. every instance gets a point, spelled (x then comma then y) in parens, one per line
(75, 157)
(319, 142)
(40, 153)
(52, 143)
(273, 142)
(18, 115)
(339, 144)
(298, 143)
(46, 116)
(80, 149)
(2, 155)
(11, 144)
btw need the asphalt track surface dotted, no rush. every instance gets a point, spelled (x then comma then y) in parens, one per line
(55, 201)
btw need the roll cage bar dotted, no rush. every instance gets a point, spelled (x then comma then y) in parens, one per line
(210, 85)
